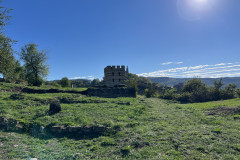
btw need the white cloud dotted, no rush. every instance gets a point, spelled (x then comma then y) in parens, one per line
(179, 62)
(168, 63)
(220, 64)
(211, 71)
(86, 77)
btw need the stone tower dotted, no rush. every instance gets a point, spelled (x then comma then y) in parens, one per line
(115, 75)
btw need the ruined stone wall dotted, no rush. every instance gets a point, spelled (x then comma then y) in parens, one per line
(114, 75)
(111, 92)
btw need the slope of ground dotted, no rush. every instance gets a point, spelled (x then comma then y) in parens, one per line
(138, 128)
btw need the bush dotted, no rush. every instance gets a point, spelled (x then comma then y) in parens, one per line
(238, 92)
(126, 150)
(65, 82)
(184, 97)
(229, 91)
(57, 85)
(54, 107)
(169, 94)
(195, 91)
(149, 92)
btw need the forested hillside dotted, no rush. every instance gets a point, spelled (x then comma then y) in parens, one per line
(208, 81)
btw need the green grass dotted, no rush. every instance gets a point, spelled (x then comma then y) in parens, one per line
(146, 128)
(214, 104)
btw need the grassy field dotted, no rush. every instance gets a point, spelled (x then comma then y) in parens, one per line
(143, 128)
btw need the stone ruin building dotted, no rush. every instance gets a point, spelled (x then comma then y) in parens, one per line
(115, 75)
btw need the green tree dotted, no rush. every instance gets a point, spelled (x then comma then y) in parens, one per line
(132, 82)
(150, 92)
(35, 66)
(95, 82)
(217, 89)
(229, 91)
(197, 89)
(7, 59)
(64, 82)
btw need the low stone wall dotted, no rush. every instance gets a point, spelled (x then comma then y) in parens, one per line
(102, 91)
(110, 92)
(77, 130)
(36, 130)
(42, 91)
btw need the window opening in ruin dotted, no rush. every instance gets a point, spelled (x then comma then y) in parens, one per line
(113, 73)
(119, 80)
(113, 80)
(119, 74)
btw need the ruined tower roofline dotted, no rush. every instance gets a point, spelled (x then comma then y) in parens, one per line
(115, 67)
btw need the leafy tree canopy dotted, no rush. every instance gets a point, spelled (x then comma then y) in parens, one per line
(35, 64)
(65, 82)
(7, 59)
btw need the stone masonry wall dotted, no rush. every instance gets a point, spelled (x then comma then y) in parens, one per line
(114, 75)
(111, 92)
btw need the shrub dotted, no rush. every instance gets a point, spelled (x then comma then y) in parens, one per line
(54, 107)
(126, 150)
(238, 92)
(65, 82)
(150, 92)
(217, 130)
(169, 94)
(184, 97)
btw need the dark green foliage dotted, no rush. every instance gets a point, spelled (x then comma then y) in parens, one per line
(178, 86)
(217, 130)
(150, 92)
(64, 82)
(8, 63)
(107, 141)
(238, 92)
(217, 89)
(81, 83)
(196, 91)
(207, 81)
(54, 107)
(168, 93)
(76, 83)
(184, 97)
(55, 84)
(126, 150)
(35, 66)
(142, 85)
(95, 82)
(229, 91)
(132, 82)
(17, 96)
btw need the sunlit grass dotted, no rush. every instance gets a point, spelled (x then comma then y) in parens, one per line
(147, 128)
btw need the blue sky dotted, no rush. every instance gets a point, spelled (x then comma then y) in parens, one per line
(176, 38)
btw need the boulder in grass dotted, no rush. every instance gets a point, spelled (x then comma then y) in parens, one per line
(54, 107)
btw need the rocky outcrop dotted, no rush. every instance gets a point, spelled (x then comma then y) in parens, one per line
(9, 124)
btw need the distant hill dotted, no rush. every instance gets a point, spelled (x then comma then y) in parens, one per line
(208, 81)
